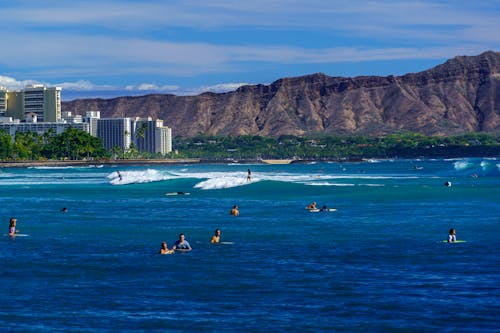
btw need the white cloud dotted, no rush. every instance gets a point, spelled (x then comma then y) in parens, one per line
(87, 86)
(152, 87)
(13, 84)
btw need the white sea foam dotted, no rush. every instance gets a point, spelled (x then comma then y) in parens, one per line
(137, 177)
(220, 180)
(328, 184)
(485, 165)
(462, 165)
(223, 182)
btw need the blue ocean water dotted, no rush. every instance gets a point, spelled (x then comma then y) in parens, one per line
(377, 264)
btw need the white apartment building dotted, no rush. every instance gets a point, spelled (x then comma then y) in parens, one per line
(40, 128)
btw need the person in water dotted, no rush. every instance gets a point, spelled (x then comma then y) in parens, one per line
(64, 210)
(235, 211)
(312, 205)
(164, 249)
(447, 184)
(12, 226)
(216, 236)
(452, 237)
(249, 175)
(324, 208)
(181, 244)
(119, 175)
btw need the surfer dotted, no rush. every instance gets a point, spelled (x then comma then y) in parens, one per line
(447, 184)
(312, 205)
(164, 249)
(119, 175)
(249, 175)
(216, 236)
(64, 210)
(324, 208)
(182, 244)
(12, 227)
(235, 211)
(452, 237)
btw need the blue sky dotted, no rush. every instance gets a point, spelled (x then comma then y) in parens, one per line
(114, 48)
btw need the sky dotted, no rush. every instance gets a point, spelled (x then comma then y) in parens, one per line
(185, 47)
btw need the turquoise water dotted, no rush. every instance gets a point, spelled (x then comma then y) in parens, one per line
(377, 264)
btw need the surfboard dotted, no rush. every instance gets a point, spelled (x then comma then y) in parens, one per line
(177, 193)
(457, 241)
(317, 210)
(227, 243)
(17, 235)
(168, 252)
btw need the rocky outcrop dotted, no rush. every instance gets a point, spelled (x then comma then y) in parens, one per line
(461, 95)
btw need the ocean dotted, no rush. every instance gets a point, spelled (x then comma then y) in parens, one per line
(377, 264)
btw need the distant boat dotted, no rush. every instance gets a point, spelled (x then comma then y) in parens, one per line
(281, 161)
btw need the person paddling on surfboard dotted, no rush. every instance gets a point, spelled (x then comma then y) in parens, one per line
(312, 205)
(452, 237)
(12, 227)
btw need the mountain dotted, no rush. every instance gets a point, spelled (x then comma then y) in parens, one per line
(458, 96)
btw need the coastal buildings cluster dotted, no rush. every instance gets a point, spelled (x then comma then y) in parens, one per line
(37, 108)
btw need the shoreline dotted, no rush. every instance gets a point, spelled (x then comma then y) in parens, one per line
(73, 163)
(53, 163)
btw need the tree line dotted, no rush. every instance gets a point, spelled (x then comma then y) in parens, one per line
(75, 144)
(71, 144)
(404, 145)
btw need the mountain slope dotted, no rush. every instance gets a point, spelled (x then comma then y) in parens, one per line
(461, 95)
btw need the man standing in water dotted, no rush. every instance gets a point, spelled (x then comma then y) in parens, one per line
(182, 244)
(12, 227)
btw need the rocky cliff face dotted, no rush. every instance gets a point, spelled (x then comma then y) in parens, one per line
(461, 95)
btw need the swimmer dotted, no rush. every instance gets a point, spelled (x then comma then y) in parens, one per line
(452, 237)
(164, 249)
(64, 210)
(12, 227)
(182, 244)
(216, 236)
(235, 211)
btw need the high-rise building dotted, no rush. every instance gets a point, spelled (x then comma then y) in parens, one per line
(3, 101)
(163, 140)
(44, 101)
(151, 136)
(114, 132)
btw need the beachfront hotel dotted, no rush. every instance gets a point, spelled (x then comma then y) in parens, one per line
(37, 99)
(38, 108)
